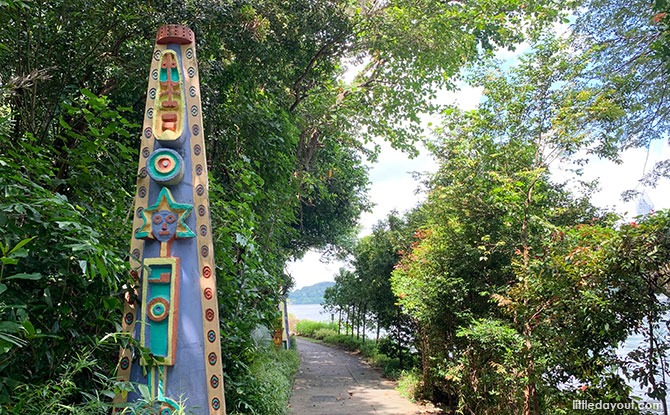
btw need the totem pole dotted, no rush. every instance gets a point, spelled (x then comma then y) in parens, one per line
(174, 315)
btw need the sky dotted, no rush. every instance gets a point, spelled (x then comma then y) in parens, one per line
(393, 187)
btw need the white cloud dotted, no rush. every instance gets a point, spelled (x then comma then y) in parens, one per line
(311, 269)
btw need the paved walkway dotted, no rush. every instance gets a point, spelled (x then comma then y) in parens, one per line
(334, 382)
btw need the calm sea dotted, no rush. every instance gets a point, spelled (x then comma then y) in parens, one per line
(315, 312)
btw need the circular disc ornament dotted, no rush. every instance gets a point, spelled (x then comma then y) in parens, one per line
(158, 309)
(166, 166)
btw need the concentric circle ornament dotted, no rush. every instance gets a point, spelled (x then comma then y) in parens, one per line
(194, 110)
(150, 113)
(202, 211)
(142, 191)
(208, 293)
(143, 172)
(148, 132)
(207, 272)
(154, 74)
(195, 129)
(189, 53)
(157, 54)
(203, 230)
(209, 314)
(212, 358)
(152, 93)
(158, 309)
(197, 149)
(216, 404)
(192, 91)
(204, 250)
(211, 336)
(146, 152)
(198, 169)
(124, 364)
(129, 318)
(191, 72)
(166, 166)
(214, 381)
(136, 252)
(200, 190)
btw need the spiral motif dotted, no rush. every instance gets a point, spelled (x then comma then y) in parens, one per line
(145, 152)
(143, 172)
(216, 404)
(148, 132)
(196, 129)
(206, 272)
(197, 150)
(203, 230)
(204, 250)
(209, 314)
(136, 252)
(208, 293)
(189, 53)
(198, 169)
(157, 54)
(200, 190)
(214, 381)
(201, 210)
(211, 336)
(142, 191)
(212, 358)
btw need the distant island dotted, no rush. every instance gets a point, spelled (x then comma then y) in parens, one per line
(312, 294)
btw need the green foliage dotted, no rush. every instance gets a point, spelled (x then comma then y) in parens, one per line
(307, 328)
(287, 139)
(270, 380)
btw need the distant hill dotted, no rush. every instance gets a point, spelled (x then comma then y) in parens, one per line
(312, 294)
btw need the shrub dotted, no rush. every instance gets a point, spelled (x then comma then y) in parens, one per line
(321, 334)
(307, 328)
(409, 384)
(268, 386)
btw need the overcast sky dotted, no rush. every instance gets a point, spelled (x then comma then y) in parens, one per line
(394, 188)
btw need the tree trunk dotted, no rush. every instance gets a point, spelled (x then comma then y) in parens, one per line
(531, 404)
(339, 321)
(365, 312)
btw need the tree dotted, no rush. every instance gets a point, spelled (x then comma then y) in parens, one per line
(625, 43)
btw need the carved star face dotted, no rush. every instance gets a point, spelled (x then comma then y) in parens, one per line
(163, 225)
(165, 220)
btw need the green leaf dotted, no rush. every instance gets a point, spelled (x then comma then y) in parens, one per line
(34, 276)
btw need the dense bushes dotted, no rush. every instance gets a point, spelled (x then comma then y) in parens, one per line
(269, 383)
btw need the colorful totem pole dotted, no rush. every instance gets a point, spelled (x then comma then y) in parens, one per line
(174, 315)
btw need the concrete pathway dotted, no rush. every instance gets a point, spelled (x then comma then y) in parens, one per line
(334, 382)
